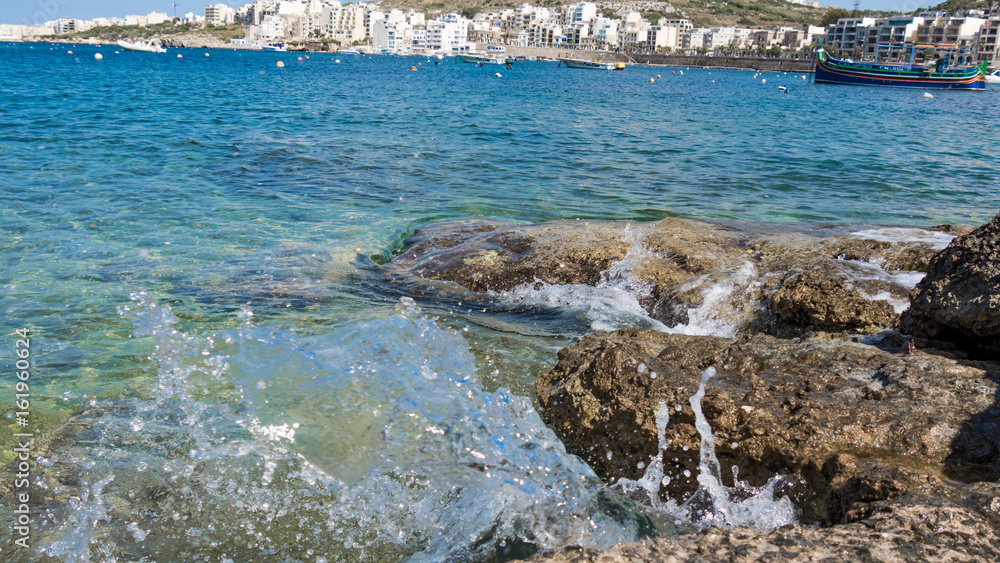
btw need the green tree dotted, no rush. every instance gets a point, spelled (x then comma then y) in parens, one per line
(653, 17)
(609, 13)
(470, 12)
(832, 15)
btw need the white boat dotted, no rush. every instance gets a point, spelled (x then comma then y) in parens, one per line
(596, 65)
(277, 47)
(993, 77)
(348, 51)
(480, 59)
(148, 46)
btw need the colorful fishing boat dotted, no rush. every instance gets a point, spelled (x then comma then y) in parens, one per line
(836, 71)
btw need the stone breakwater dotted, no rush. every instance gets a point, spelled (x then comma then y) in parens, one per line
(877, 396)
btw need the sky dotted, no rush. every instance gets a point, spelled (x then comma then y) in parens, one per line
(40, 11)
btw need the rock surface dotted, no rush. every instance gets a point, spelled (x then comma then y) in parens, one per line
(742, 276)
(852, 422)
(924, 531)
(959, 299)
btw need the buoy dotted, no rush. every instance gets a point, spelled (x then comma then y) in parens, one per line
(672, 72)
(498, 75)
(336, 60)
(928, 95)
(98, 56)
(280, 64)
(651, 80)
(763, 81)
(713, 82)
(300, 58)
(657, 76)
(420, 64)
(307, 56)
(180, 56)
(69, 52)
(207, 55)
(803, 77)
(413, 68)
(682, 73)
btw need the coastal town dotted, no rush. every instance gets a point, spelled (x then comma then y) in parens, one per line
(647, 27)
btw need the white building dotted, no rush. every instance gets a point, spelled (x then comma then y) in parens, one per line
(343, 22)
(271, 28)
(394, 36)
(219, 14)
(579, 13)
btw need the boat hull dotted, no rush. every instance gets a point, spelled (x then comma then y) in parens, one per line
(835, 71)
(140, 47)
(592, 65)
(480, 59)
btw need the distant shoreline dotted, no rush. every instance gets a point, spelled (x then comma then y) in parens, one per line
(696, 61)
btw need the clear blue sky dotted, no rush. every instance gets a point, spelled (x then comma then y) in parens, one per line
(30, 11)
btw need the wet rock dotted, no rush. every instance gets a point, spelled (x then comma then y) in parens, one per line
(959, 299)
(916, 530)
(825, 297)
(853, 423)
(724, 279)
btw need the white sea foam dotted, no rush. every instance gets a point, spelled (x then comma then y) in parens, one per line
(713, 504)
(615, 302)
(373, 441)
(937, 240)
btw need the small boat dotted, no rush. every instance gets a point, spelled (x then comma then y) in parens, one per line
(993, 77)
(348, 51)
(148, 46)
(836, 71)
(275, 47)
(596, 65)
(480, 59)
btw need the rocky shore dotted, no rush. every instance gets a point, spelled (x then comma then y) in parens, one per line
(877, 398)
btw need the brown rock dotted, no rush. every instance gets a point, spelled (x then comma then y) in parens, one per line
(855, 424)
(959, 299)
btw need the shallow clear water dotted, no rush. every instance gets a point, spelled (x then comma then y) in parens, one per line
(227, 189)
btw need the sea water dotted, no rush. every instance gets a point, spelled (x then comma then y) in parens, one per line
(220, 371)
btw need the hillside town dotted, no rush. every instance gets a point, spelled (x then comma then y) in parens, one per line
(583, 25)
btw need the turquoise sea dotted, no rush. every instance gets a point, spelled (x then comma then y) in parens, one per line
(219, 370)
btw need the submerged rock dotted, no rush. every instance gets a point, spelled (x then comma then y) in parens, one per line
(854, 424)
(959, 299)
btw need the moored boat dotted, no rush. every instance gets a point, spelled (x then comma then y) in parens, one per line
(836, 71)
(149, 46)
(478, 58)
(595, 65)
(993, 77)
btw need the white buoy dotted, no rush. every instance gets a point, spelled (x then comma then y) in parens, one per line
(179, 56)
(928, 95)
(763, 81)
(98, 56)
(207, 55)
(336, 60)
(498, 75)
(280, 64)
